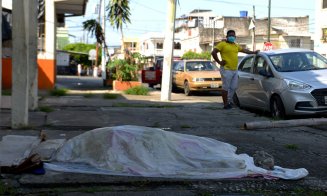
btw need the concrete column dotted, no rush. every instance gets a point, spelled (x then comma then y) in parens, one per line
(104, 57)
(50, 29)
(31, 21)
(19, 108)
(168, 52)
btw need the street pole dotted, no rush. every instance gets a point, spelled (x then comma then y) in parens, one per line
(97, 44)
(213, 34)
(168, 52)
(103, 62)
(253, 32)
(269, 20)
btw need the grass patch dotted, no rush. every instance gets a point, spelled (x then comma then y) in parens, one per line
(46, 109)
(6, 190)
(185, 126)
(89, 95)
(58, 92)
(291, 146)
(137, 90)
(110, 96)
(6, 92)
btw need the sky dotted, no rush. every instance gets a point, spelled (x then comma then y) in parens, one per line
(151, 15)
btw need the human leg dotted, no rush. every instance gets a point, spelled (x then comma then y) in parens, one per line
(226, 81)
(233, 86)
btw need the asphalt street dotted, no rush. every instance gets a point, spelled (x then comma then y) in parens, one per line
(201, 115)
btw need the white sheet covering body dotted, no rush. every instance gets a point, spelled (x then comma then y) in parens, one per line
(152, 152)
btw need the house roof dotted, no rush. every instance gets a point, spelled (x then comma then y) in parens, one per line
(66, 7)
(71, 7)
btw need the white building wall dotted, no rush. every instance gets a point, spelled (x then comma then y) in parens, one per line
(148, 45)
(50, 31)
(321, 22)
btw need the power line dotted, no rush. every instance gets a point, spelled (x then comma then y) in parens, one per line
(259, 5)
(150, 8)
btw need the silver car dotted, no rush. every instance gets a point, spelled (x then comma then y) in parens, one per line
(283, 82)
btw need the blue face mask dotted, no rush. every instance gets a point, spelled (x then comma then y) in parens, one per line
(231, 39)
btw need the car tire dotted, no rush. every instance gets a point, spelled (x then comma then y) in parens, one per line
(187, 90)
(174, 88)
(277, 109)
(236, 100)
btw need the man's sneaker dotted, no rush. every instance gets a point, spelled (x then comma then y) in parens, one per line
(227, 107)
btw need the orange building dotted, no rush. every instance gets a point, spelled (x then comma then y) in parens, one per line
(52, 15)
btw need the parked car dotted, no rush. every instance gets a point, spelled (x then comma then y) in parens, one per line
(153, 75)
(284, 82)
(196, 75)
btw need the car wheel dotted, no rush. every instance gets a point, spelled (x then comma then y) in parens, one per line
(277, 109)
(236, 101)
(174, 88)
(187, 90)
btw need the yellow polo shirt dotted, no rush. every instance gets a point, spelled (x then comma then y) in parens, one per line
(229, 53)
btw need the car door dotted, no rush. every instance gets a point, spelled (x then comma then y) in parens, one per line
(244, 79)
(258, 93)
(178, 70)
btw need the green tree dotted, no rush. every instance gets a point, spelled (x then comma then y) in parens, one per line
(193, 55)
(94, 27)
(79, 52)
(118, 14)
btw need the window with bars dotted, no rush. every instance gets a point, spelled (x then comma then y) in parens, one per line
(159, 46)
(324, 35)
(295, 43)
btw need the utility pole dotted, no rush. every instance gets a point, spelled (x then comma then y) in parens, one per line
(213, 34)
(269, 20)
(97, 44)
(168, 52)
(253, 31)
(103, 59)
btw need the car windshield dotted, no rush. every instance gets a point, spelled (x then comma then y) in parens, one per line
(200, 66)
(298, 61)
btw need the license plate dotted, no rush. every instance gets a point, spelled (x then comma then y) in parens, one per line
(215, 85)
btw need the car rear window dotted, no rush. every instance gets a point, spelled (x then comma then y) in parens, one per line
(298, 61)
(200, 66)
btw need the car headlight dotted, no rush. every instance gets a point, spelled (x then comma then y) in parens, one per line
(198, 80)
(295, 85)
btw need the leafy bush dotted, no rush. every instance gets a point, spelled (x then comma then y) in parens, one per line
(123, 71)
(137, 90)
(193, 55)
(110, 96)
(46, 109)
(6, 92)
(58, 92)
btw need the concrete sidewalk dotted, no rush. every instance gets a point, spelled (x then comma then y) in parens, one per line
(296, 147)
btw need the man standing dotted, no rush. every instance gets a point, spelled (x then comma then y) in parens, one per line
(228, 65)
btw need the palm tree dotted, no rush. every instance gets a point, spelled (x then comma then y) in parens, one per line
(94, 27)
(118, 14)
